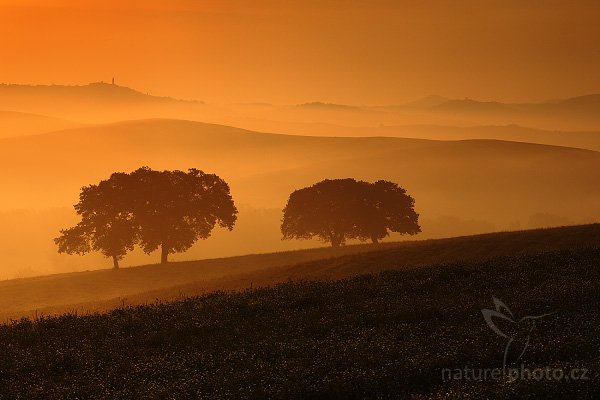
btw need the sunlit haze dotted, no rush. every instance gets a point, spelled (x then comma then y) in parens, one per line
(299, 199)
(349, 52)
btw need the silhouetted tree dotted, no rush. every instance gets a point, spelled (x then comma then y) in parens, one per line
(341, 209)
(174, 209)
(166, 209)
(387, 208)
(106, 221)
(325, 210)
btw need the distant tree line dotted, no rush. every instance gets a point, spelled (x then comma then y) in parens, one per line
(172, 210)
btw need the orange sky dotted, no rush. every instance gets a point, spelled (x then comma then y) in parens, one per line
(344, 51)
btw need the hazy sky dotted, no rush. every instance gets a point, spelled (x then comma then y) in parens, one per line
(346, 51)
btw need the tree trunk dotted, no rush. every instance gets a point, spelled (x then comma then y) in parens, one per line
(336, 240)
(164, 254)
(115, 262)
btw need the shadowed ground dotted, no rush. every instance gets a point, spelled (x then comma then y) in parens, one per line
(386, 335)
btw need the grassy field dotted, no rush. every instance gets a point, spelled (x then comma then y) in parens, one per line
(106, 289)
(379, 335)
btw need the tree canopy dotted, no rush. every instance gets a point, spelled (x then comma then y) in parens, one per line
(174, 209)
(106, 221)
(341, 209)
(166, 209)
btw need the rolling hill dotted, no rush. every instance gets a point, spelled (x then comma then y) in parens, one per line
(514, 133)
(103, 290)
(102, 102)
(471, 106)
(572, 114)
(580, 139)
(82, 156)
(372, 335)
(577, 113)
(14, 123)
(493, 184)
(94, 102)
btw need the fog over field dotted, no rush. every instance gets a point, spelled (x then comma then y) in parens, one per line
(465, 179)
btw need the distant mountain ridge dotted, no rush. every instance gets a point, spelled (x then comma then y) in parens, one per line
(427, 101)
(330, 106)
(105, 102)
(96, 102)
(437, 101)
(583, 100)
(471, 105)
(574, 113)
(108, 91)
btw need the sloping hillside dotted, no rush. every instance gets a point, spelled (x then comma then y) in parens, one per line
(57, 164)
(94, 102)
(398, 334)
(474, 186)
(103, 290)
(581, 139)
(14, 123)
(515, 133)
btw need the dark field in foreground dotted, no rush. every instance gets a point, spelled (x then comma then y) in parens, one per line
(105, 290)
(386, 335)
